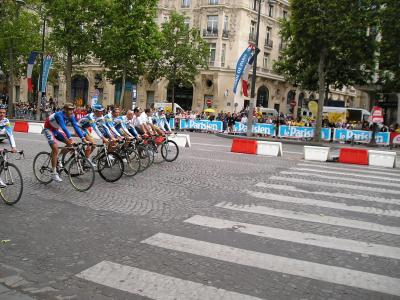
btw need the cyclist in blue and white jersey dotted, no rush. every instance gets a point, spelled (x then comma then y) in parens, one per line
(161, 120)
(120, 124)
(55, 129)
(6, 129)
(109, 123)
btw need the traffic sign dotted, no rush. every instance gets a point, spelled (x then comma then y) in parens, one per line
(209, 102)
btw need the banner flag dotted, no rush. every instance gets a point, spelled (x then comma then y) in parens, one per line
(31, 63)
(245, 77)
(46, 69)
(240, 66)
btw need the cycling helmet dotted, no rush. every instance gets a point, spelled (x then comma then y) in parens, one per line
(161, 109)
(3, 106)
(97, 107)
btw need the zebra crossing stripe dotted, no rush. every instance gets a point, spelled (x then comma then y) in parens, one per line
(331, 274)
(330, 194)
(326, 204)
(298, 237)
(301, 216)
(339, 185)
(354, 168)
(330, 177)
(346, 174)
(153, 285)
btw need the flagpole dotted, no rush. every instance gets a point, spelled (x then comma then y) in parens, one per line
(253, 78)
(38, 114)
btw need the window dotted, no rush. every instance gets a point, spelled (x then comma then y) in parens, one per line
(285, 14)
(187, 22)
(254, 5)
(212, 24)
(212, 48)
(268, 35)
(185, 3)
(253, 30)
(213, 2)
(271, 11)
(225, 32)
(223, 55)
(266, 61)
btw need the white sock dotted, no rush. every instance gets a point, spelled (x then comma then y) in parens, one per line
(55, 171)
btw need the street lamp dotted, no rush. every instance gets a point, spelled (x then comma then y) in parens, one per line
(40, 95)
(253, 78)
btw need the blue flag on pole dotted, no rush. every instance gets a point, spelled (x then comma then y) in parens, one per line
(46, 69)
(241, 64)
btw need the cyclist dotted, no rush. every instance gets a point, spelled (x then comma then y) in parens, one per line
(109, 123)
(6, 129)
(55, 129)
(90, 121)
(161, 121)
(121, 124)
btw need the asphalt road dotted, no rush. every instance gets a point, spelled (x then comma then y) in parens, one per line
(212, 225)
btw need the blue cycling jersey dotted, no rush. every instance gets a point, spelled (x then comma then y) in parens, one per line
(59, 120)
(109, 123)
(90, 121)
(6, 128)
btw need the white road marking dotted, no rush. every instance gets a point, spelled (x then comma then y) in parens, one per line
(298, 237)
(386, 178)
(330, 194)
(332, 274)
(334, 184)
(314, 218)
(154, 285)
(330, 177)
(354, 167)
(366, 170)
(292, 152)
(326, 204)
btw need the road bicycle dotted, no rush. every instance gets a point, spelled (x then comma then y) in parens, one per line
(77, 167)
(11, 176)
(163, 145)
(130, 156)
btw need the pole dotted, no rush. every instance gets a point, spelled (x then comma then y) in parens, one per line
(41, 73)
(398, 108)
(253, 78)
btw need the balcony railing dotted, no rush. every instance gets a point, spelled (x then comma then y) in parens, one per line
(268, 44)
(225, 34)
(282, 46)
(213, 2)
(210, 32)
(185, 5)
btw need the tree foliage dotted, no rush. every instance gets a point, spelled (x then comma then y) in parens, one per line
(19, 29)
(128, 38)
(74, 25)
(182, 53)
(329, 44)
(389, 54)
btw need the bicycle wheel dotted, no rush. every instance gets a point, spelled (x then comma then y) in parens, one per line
(81, 173)
(12, 177)
(131, 163)
(42, 167)
(169, 150)
(110, 167)
(144, 156)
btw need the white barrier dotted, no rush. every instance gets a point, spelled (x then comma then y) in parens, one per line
(35, 127)
(382, 158)
(269, 148)
(182, 140)
(316, 153)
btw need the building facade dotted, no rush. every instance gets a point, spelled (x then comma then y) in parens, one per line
(228, 26)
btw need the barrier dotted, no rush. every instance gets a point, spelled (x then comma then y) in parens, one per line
(258, 128)
(353, 156)
(20, 126)
(36, 127)
(244, 146)
(316, 153)
(269, 148)
(298, 132)
(201, 125)
(382, 158)
(182, 140)
(360, 136)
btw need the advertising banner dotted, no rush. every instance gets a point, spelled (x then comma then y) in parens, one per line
(201, 125)
(302, 132)
(259, 128)
(360, 136)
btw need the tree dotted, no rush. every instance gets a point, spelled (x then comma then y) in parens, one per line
(19, 36)
(182, 53)
(389, 57)
(128, 39)
(74, 26)
(328, 45)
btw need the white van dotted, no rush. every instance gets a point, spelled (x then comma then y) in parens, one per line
(167, 106)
